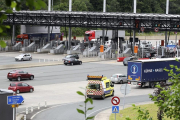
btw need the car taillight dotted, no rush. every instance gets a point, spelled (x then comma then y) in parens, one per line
(117, 76)
(69, 61)
(139, 83)
(129, 82)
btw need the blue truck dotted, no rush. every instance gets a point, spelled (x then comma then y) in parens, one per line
(148, 72)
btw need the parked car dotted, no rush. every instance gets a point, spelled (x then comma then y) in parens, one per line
(19, 75)
(72, 61)
(22, 57)
(119, 78)
(20, 87)
(125, 61)
(76, 56)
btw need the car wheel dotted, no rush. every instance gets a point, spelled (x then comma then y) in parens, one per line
(22, 59)
(151, 85)
(103, 96)
(72, 64)
(121, 82)
(80, 63)
(10, 79)
(31, 90)
(18, 78)
(17, 91)
(31, 78)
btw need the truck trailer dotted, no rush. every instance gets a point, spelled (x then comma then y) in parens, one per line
(149, 72)
(93, 35)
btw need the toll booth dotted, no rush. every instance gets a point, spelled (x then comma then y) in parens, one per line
(6, 111)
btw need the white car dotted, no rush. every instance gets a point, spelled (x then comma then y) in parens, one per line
(22, 57)
(119, 78)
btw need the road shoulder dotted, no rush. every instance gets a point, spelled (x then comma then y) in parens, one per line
(104, 115)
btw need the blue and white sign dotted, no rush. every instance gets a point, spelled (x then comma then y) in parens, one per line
(11, 100)
(134, 71)
(115, 109)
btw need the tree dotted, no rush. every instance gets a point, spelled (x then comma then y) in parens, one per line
(170, 104)
(17, 4)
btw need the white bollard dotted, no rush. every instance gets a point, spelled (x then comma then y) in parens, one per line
(58, 59)
(39, 60)
(38, 106)
(44, 60)
(26, 110)
(45, 104)
(31, 108)
(53, 59)
(24, 117)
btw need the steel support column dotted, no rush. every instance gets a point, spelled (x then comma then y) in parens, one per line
(167, 12)
(69, 40)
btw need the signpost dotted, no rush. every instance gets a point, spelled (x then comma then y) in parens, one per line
(125, 89)
(14, 101)
(115, 101)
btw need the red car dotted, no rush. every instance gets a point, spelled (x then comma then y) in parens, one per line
(19, 75)
(20, 87)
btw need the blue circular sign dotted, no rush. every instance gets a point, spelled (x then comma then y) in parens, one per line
(134, 69)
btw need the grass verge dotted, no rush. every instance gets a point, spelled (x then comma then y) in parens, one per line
(129, 112)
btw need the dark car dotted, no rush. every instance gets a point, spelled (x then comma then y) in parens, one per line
(20, 87)
(19, 75)
(76, 56)
(125, 61)
(72, 61)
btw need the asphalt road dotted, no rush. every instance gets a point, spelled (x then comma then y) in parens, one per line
(69, 112)
(64, 74)
(4, 60)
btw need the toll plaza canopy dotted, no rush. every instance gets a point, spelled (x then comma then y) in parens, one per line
(112, 20)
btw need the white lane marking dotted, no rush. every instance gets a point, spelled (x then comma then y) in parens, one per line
(50, 108)
(98, 110)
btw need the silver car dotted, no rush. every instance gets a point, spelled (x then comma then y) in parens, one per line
(22, 57)
(119, 78)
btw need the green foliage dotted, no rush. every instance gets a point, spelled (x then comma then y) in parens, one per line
(142, 113)
(31, 4)
(167, 97)
(85, 105)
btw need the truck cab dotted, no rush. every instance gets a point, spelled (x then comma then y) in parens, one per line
(99, 87)
(21, 37)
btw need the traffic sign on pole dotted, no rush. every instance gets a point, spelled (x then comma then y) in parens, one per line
(125, 89)
(156, 29)
(12, 100)
(142, 29)
(115, 109)
(115, 100)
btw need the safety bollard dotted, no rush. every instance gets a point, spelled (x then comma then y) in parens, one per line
(44, 60)
(45, 104)
(38, 106)
(58, 59)
(24, 117)
(26, 110)
(39, 60)
(31, 108)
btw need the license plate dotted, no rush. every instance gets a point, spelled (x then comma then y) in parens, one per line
(90, 93)
(133, 83)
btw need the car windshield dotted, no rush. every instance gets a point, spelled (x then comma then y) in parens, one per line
(115, 75)
(68, 56)
(94, 86)
(21, 55)
(128, 58)
(12, 72)
(12, 84)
